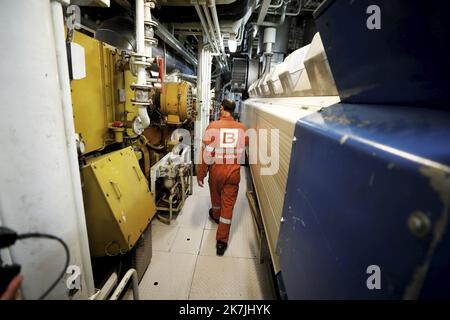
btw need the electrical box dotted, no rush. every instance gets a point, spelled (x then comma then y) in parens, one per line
(118, 202)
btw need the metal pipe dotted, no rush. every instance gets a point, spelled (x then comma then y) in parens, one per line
(109, 285)
(280, 21)
(263, 12)
(206, 34)
(212, 7)
(141, 62)
(240, 36)
(276, 6)
(64, 83)
(173, 42)
(300, 7)
(140, 40)
(131, 274)
(202, 21)
(148, 19)
(211, 28)
(292, 14)
(218, 40)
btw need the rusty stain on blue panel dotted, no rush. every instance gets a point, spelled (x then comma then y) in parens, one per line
(356, 177)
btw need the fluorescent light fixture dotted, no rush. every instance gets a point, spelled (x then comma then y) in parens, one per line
(232, 44)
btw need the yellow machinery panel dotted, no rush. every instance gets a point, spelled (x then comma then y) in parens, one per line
(118, 202)
(125, 110)
(177, 102)
(93, 97)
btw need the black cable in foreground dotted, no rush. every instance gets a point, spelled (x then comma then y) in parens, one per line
(8, 237)
(66, 249)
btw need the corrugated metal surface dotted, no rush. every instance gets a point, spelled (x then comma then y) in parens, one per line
(281, 114)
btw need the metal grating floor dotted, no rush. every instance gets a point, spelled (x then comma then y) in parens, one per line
(185, 265)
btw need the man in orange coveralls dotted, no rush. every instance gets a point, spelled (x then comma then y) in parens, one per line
(222, 153)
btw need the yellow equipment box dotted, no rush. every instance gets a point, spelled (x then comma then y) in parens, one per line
(118, 202)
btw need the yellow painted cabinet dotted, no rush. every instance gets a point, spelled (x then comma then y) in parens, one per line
(118, 202)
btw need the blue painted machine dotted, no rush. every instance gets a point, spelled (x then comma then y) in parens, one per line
(369, 184)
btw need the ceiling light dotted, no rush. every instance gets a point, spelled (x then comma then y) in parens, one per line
(232, 44)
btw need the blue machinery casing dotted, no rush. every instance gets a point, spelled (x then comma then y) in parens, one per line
(369, 184)
(358, 175)
(404, 62)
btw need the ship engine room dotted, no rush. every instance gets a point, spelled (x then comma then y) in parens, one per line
(224, 150)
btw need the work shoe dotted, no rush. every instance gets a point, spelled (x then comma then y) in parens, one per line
(221, 247)
(212, 217)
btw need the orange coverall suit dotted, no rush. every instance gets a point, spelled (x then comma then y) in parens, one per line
(223, 151)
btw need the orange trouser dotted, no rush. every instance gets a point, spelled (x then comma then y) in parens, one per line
(223, 186)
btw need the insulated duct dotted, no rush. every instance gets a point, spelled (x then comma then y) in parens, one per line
(119, 32)
(226, 12)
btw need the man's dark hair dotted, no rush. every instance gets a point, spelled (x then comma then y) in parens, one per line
(228, 105)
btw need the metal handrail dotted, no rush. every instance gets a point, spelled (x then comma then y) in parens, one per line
(131, 274)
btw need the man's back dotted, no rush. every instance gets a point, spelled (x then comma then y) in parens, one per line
(225, 141)
(222, 154)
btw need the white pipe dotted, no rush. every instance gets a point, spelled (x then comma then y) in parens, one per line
(213, 45)
(202, 21)
(143, 115)
(216, 42)
(210, 24)
(276, 6)
(212, 7)
(142, 50)
(147, 17)
(140, 40)
(210, 29)
(263, 11)
(64, 82)
(132, 273)
(105, 291)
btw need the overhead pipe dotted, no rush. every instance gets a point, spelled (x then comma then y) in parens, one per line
(300, 8)
(212, 7)
(211, 28)
(292, 14)
(173, 42)
(272, 6)
(276, 6)
(263, 12)
(218, 38)
(203, 23)
(205, 32)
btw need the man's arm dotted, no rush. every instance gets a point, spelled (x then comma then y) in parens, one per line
(202, 167)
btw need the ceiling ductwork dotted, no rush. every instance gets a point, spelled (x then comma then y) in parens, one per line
(187, 3)
(227, 10)
(119, 32)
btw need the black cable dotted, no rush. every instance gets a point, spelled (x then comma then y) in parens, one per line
(66, 248)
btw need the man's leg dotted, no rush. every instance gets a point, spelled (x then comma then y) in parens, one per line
(228, 199)
(214, 191)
